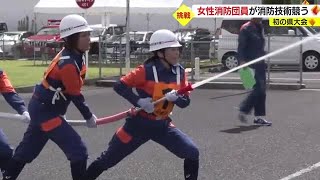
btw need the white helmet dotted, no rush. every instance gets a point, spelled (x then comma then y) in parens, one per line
(163, 39)
(72, 24)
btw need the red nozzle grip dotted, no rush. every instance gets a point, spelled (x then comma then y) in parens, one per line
(185, 89)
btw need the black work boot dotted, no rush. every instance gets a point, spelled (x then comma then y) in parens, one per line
(191, 168)
(13, 169)
(78, 169)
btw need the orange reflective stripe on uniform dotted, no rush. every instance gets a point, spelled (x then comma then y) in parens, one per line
(83, 73)
(45, 83)
(52, 64)
(83, 70)
(51, 124)
(123, 135)
(163, 109)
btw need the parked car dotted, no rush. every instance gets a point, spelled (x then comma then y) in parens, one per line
(104, 33)
(279, 38)
(11, 43)
(47, 40)
(139, 37)
(213, 51)
(201, 45)
(139, 43)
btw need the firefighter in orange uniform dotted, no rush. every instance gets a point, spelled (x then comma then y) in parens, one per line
(159, 76)
(61, 85)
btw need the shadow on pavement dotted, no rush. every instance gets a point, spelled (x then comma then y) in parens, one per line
(241, 129)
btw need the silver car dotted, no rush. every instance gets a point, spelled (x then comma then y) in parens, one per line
(11, 43)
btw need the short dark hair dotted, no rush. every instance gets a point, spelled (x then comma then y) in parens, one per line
(71, 42)
(152, 58)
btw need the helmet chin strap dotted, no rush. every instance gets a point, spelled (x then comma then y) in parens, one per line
(165, 59)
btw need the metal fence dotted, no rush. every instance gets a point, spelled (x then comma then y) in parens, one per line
(15, 48)
(108, 55)
(286, 67)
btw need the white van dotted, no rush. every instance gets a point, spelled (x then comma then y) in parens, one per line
(279, 38)
(105, 33)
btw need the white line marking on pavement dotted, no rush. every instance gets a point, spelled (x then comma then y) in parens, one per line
(299, 173)
(292, 79)
(295, 79)
(318, 90)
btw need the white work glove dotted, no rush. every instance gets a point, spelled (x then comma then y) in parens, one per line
(25, 117)
(172, 96)
(91, 123)
(146, 104)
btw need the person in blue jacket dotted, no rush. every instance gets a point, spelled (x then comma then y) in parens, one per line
(17, 103)
(160, 76)
(251, 46)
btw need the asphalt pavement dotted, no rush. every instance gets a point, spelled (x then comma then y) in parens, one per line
(229, 150)
(310, 79)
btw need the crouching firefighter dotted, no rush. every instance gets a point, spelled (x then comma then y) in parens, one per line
(160, 76)
(61, 84)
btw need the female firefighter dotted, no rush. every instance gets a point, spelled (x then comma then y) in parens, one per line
(17, 103)
(159, 76)
(61, 84)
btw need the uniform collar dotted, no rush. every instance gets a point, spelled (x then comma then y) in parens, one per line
(74, 55)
